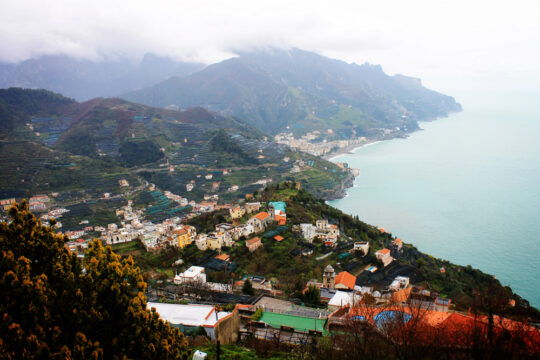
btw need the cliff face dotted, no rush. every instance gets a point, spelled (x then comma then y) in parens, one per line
(339, 191)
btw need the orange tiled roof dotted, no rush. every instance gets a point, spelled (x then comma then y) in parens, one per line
(223, 257)
(253, 241)
(278, 238)
(262, 215)
(347, 279)
(384, 251)
(401, 295)
(180, 231)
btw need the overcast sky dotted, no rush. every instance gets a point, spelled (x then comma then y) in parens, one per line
(452, 45)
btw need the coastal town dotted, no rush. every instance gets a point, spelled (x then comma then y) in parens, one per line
(377, 289)
(327, 144)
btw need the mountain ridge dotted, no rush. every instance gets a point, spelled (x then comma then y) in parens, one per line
(273, 90)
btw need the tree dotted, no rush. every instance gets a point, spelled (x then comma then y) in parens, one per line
(52, 307)
(247, 288)
(312, 296)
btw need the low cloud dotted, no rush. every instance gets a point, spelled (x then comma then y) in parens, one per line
(433, 40)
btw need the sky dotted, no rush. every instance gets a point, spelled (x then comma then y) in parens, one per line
(456, 45)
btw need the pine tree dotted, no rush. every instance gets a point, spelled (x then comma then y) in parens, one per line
(247, 288)
(54, 305)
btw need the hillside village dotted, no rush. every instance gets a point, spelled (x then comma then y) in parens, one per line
(254, 264)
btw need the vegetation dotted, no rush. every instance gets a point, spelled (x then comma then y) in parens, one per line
(257, 314)
(247, 288)
(139, 152)
(286, 91)
(230, 153)
(51, 308)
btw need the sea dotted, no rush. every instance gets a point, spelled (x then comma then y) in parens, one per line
(466, 188)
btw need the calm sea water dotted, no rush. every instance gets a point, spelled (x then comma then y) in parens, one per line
(466, 188)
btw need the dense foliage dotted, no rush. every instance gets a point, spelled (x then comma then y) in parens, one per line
(229, 151)
(55, 306)
(141, 152)
(16, 105)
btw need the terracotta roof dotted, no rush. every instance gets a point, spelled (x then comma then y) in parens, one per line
(262, 215)
(347, 279)
(401, 295)
(280, 218)
(333, 226)
(278, 238)
(223, 257)
(180, 231)
(253, 241)
(384, 251)
(398, 241)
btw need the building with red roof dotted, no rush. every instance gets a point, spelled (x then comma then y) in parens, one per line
(345, 281)
(253, 244)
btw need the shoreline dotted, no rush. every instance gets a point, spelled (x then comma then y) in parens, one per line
(349, 150)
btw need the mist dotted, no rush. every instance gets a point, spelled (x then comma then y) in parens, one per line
(453, 46)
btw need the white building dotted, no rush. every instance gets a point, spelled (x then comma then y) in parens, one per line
(361, 246)
(308, 231)
(400, 282)
(190, 316)
(193, 274)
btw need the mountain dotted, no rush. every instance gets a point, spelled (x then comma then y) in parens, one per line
(302, 91)
(50, 143)
(84, 79)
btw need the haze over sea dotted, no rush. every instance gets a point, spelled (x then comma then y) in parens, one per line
(466, 189)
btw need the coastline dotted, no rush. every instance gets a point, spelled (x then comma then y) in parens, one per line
(352, 148)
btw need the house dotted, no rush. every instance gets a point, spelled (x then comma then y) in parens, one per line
(253, 244)
(361, 246)
(242, 230)
(252, 207)
(278, 238)
(280, 217)
(200, 242)
(39, 198)
(397, 243)
(193, 274)
(237, 212)
(223, 257)
(6, 203)
(308, 232)
(184, 236)
(123, 182)
(260, 221)
(208, 176)
(400, 282)
(213, 242)
(218, 325)
(37, 206)
(321, 225)
(345, 281)
(343, 298)
(384, 256)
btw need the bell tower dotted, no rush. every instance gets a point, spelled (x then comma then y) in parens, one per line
(329, 277)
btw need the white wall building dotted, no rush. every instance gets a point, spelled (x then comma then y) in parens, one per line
(193, 274)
